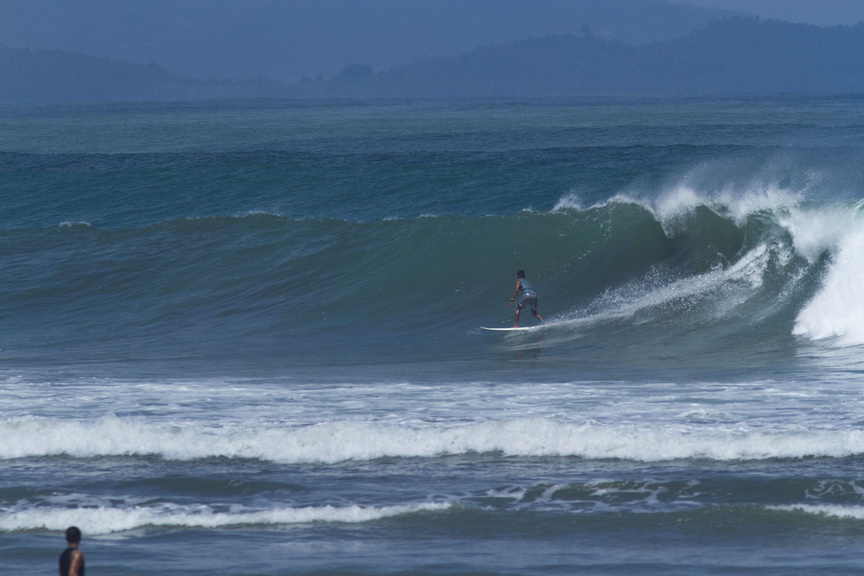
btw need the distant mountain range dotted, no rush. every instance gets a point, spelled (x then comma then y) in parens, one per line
(288, 39)
(732, 55)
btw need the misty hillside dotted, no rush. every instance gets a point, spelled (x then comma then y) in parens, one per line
(729, 56)
(735, 55)
(748, 55)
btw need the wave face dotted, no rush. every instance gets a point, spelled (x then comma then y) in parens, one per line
(639, 277)
(394, 239)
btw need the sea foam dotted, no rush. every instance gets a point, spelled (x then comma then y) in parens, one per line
(835, 310)
(825, 510)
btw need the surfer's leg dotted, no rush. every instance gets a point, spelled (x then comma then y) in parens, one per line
(534, 309)
(516, 316)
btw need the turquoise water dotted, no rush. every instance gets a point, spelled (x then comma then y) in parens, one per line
(243, 337)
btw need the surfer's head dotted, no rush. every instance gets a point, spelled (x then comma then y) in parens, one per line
(520, 274)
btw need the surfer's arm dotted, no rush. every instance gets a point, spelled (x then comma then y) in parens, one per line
(515, 293)
(75, 564)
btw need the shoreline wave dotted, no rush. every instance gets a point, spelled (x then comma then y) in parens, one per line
(104, 520)
(335, 442)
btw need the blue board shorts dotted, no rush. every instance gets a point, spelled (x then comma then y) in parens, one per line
(528, 300)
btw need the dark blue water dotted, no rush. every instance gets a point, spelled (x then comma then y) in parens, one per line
(244, 337)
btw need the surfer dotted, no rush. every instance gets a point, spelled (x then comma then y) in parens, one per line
(72, 560)
(529, 298)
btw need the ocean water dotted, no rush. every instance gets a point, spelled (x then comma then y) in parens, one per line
(244, 337)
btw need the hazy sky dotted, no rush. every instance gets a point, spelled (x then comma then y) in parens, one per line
(819, 12)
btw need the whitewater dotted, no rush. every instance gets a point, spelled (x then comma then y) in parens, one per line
(244, 337)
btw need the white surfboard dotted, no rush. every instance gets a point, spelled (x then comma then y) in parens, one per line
(509, 329)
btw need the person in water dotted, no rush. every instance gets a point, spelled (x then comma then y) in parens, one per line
(72, 560)
(529, 298)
